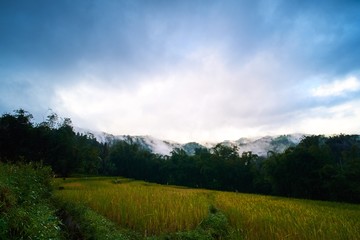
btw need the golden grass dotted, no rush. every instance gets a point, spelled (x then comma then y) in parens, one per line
(147, 208)
(265, 217)
(153, 209)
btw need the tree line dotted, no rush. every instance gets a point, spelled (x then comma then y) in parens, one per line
(319, 167)
(52, 142)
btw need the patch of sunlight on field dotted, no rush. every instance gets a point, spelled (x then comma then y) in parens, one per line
(152, 209)
(147, 208)
(265, 217)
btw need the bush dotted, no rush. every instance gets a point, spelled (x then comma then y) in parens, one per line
(24, 203)
(33, 222)
(215, 226)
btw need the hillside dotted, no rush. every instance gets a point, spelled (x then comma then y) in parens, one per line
(260, 146)
(172, 212)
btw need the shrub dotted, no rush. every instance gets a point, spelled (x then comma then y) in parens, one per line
(215, 226)
(24, 203)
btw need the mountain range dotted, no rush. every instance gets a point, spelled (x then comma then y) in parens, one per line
(260, 145)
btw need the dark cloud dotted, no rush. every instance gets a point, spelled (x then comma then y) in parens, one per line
(142, 34)
(43, 33)
(263, 51)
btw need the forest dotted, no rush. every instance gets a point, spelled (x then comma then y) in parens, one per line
(319, 167)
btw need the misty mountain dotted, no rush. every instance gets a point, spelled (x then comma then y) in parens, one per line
(260, 146)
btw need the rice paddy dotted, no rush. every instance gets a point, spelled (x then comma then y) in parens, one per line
(153, 209)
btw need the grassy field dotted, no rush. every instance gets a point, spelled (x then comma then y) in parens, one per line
(153, 209)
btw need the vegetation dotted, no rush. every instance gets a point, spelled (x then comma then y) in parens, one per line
(119, 208)
(146, 208)
(265, 217)
(25, 210)
(323, 168)
(170, 212)
(81, 222)
(52, 142)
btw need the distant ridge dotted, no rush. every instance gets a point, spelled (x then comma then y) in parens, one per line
(260, 146)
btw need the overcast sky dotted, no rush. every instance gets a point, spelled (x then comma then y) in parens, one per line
(186, 70)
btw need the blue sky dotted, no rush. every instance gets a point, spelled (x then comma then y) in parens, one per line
(184, 70)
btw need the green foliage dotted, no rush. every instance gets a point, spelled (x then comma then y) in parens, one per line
(215, 226)
(24, 207)
(52, 142)
(318, 168)
(33, 222)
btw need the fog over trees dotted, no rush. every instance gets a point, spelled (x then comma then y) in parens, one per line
(319, 167)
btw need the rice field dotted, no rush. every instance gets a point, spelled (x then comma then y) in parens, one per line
(153, 209)
(265, 217)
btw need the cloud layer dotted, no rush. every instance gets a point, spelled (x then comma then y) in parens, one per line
(184, 70)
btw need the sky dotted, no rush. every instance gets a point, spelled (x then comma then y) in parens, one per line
(187, 70)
